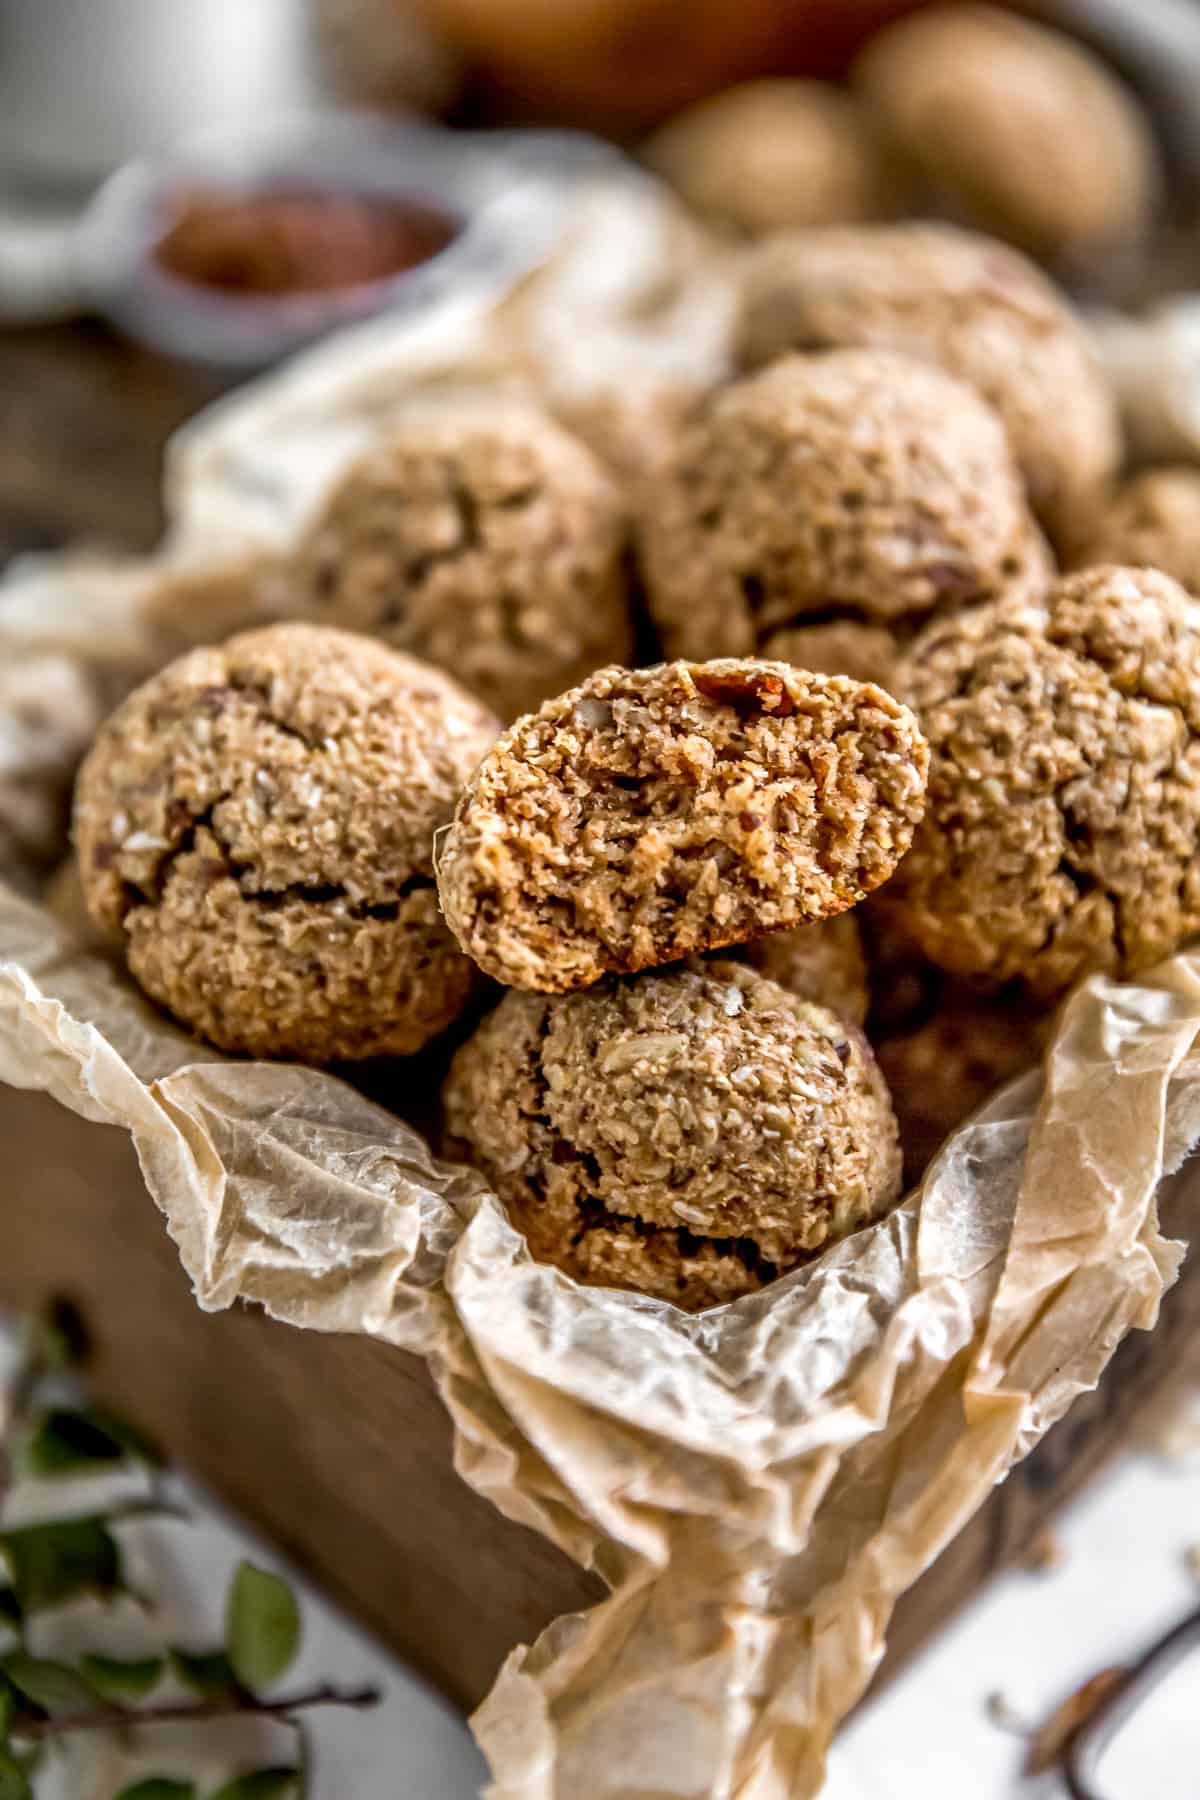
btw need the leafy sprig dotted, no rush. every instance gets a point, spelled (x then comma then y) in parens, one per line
(46, 1437)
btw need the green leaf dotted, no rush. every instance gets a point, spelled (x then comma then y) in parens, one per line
(14, 1782)
(68, 1440)
(8, 1706)
(208, 1673)
(261, 1784)
(50, 1564)
(262, 1626)
(54, 1686)
(118, 1680)
(159, 1787)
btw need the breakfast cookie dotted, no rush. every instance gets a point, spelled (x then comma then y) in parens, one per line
(256, 823)
(1154, 522)
(858, 481)
(691, 1134)
(971, 306)
(1017, 127)
(651, 813)
(1064, 789)
(769, 154)
(484, 538)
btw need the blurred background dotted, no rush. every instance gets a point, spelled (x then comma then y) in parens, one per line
(224, 181)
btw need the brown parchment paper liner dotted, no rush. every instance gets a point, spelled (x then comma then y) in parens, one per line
(623, 318)
(757, 1485)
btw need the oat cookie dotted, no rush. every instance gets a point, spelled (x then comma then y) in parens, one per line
(652, 813)
(256, 822)
(769, 154)
(1064, 789)
(859, 481)
(484, 538)
(1018, 128)
(822, 962)
(691, 1134)
(1154, 522)
(973, 307)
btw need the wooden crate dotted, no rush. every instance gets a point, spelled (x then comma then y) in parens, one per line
(339, 1449)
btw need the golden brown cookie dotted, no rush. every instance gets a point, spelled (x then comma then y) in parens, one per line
(1019, 128)
(860, 482)
(1064, 789)
(653, 813)
(972, 306)
(1154, 522)
(691, 1134)
(257, 823)
(483, 538)
(769, 154)
(822, 962)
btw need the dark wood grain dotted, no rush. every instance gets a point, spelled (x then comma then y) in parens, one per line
(84, 416)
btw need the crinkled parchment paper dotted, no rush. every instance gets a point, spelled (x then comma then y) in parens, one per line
(757, 1485)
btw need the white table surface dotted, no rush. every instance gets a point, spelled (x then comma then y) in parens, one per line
(1124, 1579)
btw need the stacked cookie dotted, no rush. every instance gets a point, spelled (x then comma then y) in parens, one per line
(696, 1130)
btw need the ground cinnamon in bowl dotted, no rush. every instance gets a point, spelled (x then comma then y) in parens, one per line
(295, 239)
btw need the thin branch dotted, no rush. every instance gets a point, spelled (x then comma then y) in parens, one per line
(110, 1718)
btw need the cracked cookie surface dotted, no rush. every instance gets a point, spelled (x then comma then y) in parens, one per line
(485, 539)
(256, 824)
(1064, 788)
(855, 483)
(691, 1134)
(652, 813)
(973, 307)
